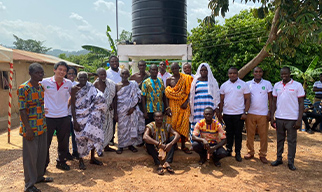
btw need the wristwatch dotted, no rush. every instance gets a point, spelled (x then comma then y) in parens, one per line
(246, 112)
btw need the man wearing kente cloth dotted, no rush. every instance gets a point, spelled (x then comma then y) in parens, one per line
(210, 138)
(158, 142)
(177, 92)
(89, 114)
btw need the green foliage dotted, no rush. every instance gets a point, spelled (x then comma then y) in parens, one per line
(90, 61)
(231, 45)
(298, 21)
(125, 36)
(239, 40)
(30, 45)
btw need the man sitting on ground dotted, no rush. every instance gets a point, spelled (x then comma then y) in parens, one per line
(210, 138)
(157, 137)
(308, 112)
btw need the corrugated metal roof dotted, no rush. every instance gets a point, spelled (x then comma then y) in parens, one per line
(20, 55)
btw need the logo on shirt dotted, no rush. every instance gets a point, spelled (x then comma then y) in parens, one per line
(263, 87)
(238, 87)
(49, 87)
(65, 87)
(291, 89)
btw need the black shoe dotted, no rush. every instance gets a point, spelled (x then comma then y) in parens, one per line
(238, 157)
(228, 153)
(62, 166)
(291, 167)
(309, 131)
(76, 155)
(276, 163)
(217, 163)
(69, 157)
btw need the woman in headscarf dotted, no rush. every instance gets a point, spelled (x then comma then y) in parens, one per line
(204, 93)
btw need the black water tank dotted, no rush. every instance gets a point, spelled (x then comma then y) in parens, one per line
(159, 22)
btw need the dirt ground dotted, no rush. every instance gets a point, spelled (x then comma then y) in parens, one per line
(136, 172)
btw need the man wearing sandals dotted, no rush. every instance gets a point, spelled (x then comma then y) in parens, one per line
(33, 128)
(210, 138)
(89, 113)
(157, 141)
(130, 118)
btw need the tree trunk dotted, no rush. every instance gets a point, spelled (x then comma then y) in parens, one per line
(263, 53)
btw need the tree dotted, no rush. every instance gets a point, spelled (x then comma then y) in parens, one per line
(30, 45)
(238, 41)
(125, 36)
(309, 73)
(294, 22)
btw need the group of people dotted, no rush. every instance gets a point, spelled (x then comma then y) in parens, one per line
(155, 109)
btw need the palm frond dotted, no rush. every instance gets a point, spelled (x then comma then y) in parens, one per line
(97, 50)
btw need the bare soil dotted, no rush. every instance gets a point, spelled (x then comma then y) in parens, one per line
(136, 171)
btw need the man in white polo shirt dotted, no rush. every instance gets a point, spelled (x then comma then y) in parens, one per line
(288, 101)
(258, 114)
(163, 74)
(113, 73)
(57, 93)
(234, 104)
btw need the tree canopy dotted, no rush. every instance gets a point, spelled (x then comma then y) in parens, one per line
(294, 22)
(30, 45)
(239, 40)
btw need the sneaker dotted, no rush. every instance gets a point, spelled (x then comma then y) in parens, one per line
(62, 166)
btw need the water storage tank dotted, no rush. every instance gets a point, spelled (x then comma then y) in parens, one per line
(159, 22)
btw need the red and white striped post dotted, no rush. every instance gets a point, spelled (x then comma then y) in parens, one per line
(10, 98)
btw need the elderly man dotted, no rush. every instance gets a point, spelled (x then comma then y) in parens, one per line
(288, 107)
(88, 110)
(177, 92)
(140, 76)
(107, 87)
(33, 128)
(130, 118)
(210, 138)
(159, 144)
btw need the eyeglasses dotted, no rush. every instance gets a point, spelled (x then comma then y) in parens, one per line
(71, 73)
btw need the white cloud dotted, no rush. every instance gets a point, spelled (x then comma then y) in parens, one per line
(54, 36)
(104, 5)
(80, 22)
(2, 7)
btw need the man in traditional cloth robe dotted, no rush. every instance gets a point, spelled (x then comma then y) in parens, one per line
(107, 87)
(88, 110)
(131, 123)
(177, 92)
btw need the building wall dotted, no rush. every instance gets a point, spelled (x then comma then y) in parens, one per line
(21, 75)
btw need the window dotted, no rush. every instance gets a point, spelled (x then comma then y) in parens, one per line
(4, 80)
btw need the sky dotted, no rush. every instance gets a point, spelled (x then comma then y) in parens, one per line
(69, 24)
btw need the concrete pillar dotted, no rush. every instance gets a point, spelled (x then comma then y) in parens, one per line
(124, 60)
(134, 67)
